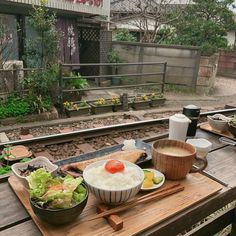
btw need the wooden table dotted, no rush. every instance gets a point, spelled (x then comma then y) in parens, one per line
(14, 220)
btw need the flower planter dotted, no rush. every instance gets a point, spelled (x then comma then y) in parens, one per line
(81, 112)
(138, 105)
(157, 102)
(117, 107)
(99, 109)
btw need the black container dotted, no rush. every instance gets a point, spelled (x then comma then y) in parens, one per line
(60, 216)
(193, 113)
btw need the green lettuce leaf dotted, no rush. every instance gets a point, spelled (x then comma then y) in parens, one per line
(38, 182)
(55, 192)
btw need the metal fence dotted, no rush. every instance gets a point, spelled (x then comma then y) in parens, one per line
(98, 79)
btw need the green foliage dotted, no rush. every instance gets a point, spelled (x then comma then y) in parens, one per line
(233, 121)
(113, 56)
(42, 52)
(26, 159)
(4, 170)
(17, 106)
(78, 82)
(204, 24)
(40, 104)
(40, 82)
(124, 35)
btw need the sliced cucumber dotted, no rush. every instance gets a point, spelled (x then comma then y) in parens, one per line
(157, 180)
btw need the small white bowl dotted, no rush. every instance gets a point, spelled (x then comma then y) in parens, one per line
(113, 197)
(218, 122)
(203, 146)
(38, 161)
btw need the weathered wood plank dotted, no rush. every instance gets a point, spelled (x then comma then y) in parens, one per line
(11, 209)
(27, 228)
(222, 165)
(137, 219)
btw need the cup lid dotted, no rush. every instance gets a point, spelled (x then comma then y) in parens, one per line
(180, 118)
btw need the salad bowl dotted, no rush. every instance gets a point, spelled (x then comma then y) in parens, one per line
(60, 216)
(56, 200)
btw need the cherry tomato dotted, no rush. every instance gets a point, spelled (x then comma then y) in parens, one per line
(114, 166)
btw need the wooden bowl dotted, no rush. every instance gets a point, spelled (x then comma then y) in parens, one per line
(173, 158)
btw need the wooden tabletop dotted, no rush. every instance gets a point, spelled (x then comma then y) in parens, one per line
(14, 220)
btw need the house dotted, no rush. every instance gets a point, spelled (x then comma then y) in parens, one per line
(81, 26)
(127, 14)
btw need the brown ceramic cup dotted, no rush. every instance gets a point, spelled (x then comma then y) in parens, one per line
(175, 166)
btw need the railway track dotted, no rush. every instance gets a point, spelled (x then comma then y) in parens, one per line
(64, 145)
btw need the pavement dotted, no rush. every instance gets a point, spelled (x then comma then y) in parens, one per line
(224, 92)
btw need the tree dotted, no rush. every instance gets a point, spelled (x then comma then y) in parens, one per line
(42, 53)
(5, 43)
(124, 35)
(205, 24)
(42, 50)
(150, 16)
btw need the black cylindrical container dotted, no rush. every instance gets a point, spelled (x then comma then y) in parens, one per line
(193, 113)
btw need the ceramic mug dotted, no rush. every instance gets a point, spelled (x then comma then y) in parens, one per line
(175, 158)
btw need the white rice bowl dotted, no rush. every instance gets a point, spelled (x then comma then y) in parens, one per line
(113, 188)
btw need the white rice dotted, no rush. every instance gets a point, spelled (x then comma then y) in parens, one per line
(100, 178)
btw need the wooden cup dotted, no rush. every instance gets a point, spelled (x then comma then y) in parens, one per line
(174, 167)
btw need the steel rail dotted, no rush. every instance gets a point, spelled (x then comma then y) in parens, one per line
(100, 131)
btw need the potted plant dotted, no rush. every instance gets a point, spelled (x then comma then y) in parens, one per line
(232, 126)
(77, 82)
(140, 102)
(116, 104)
(113, 57)
(101, 106)
(76, 108)
(156, 99)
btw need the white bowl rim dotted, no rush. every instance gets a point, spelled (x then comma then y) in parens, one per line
(20, 165)
(200, 143)
(113, 190)
(217, 121)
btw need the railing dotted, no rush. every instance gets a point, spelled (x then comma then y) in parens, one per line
(63, 78)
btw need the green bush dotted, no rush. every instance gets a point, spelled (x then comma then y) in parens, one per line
(17, 106)
(14, 107)
(124, 35)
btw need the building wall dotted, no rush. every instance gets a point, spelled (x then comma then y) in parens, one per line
(227, 64)
(182, 62)
(98, 7)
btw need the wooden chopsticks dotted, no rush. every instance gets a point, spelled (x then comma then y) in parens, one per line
(158, 194)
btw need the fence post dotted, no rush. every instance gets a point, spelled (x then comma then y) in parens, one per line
(60, 89)
(124, 100)
(163, 78)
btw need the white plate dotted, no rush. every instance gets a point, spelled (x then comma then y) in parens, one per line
(156, 174)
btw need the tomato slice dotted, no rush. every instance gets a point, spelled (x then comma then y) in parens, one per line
(114, 166)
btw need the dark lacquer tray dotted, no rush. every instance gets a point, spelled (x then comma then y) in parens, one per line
(138, 143)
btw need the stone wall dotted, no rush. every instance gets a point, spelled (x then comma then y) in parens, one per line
(207, 73)
(227, 64)
(182, 62)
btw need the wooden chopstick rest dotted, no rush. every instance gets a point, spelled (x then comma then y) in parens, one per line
(114, 220)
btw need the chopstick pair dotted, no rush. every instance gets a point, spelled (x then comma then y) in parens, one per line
(156, 195)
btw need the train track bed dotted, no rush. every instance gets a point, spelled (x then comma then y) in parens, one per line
(100, 133)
